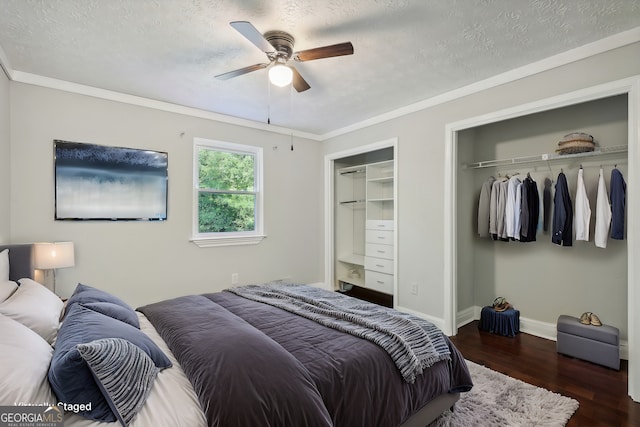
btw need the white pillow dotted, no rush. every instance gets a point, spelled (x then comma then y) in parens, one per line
(25, 363)
(4, 265)
(36, 307)
(7, 289)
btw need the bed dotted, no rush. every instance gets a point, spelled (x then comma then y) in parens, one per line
(220, 359)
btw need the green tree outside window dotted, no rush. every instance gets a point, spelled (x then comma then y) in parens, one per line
(226, 196)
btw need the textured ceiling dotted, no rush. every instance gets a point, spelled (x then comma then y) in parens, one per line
(406, 51)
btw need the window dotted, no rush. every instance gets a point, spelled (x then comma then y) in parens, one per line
(227, 195)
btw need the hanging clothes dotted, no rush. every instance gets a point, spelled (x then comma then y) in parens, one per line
(484, 206)
(518, 213)
(562, 227)
(512, 210)
(618, 190)
(530, 203)
(582, 212)
(524, 210)
(502, 202)
(546, 204)
(603, 214)
(493, 210)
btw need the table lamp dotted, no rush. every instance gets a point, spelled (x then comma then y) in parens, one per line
(51, 256)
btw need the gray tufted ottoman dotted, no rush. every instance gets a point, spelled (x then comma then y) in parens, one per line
(597, 344)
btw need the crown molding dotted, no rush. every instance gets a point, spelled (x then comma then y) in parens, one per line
(63, 85)
(600, 46)
(5, 64)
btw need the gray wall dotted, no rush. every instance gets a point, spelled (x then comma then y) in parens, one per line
(149, 261)
(139, 260)
(5, 163)
(421, 161)
(467, 291)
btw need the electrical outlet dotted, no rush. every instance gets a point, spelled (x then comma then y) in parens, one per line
(235, 278)
(414, 288)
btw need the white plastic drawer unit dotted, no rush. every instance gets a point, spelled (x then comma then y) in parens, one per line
(379, 282)
(378, 264)
(379, 224)
(380, 251)
(381, 237)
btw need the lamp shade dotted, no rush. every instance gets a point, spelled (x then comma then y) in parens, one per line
(49, 256)
(280, 75)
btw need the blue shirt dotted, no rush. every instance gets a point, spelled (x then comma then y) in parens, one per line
(618, 189)
(562, 214)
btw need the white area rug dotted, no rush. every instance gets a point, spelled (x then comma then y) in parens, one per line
(499, 400)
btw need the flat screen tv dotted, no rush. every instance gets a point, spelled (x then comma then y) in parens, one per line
(97, 182)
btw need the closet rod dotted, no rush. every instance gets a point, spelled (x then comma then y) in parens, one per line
(544, 157)
(347, 172)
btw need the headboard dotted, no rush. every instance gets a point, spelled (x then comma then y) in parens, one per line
(20, 261)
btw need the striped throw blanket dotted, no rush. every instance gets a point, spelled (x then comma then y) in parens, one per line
(413, 343)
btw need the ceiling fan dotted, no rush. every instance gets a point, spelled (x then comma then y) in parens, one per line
(278, 46)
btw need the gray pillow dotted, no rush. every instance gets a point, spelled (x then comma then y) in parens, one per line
(124, 373)
(69, 375)
(115, 311)
(84, 294)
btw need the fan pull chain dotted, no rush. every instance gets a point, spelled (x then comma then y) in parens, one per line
(291, 112)
(268, 102)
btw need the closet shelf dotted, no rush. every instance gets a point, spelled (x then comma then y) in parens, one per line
(358, 281)
(355, 259)
(353, 203)
(381, 179)
(544, 158)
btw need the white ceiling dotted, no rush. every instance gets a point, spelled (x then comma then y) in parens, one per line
(406, 51)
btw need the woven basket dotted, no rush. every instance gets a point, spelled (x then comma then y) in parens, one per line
(576, 142)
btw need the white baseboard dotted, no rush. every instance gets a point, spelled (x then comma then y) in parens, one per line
(528, 326)
(539, 329)
(435, 320)
(468, 315)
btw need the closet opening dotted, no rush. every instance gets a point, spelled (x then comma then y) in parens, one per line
(541, 278)
(361, 223)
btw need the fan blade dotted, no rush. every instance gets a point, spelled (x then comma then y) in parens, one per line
(241, 71)
(339, 49)
(253, 35)
(299, 83)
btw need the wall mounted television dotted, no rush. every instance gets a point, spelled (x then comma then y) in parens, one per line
(97, 182)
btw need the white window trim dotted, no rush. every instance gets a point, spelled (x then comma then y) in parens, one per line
(207, 240)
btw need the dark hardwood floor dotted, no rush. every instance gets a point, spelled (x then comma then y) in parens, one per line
(602, 392)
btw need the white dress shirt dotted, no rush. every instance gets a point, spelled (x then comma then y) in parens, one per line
(582, 211)
(603, 214)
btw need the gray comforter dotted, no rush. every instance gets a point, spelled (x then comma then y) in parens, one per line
(253, 364)
(413, 343)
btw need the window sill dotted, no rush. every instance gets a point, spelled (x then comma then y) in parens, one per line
(210, 242)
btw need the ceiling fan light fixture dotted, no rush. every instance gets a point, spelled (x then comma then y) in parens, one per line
(278, 46)
(280, 75)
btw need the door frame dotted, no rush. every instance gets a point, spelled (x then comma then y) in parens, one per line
(630, 87)
(329, 196)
